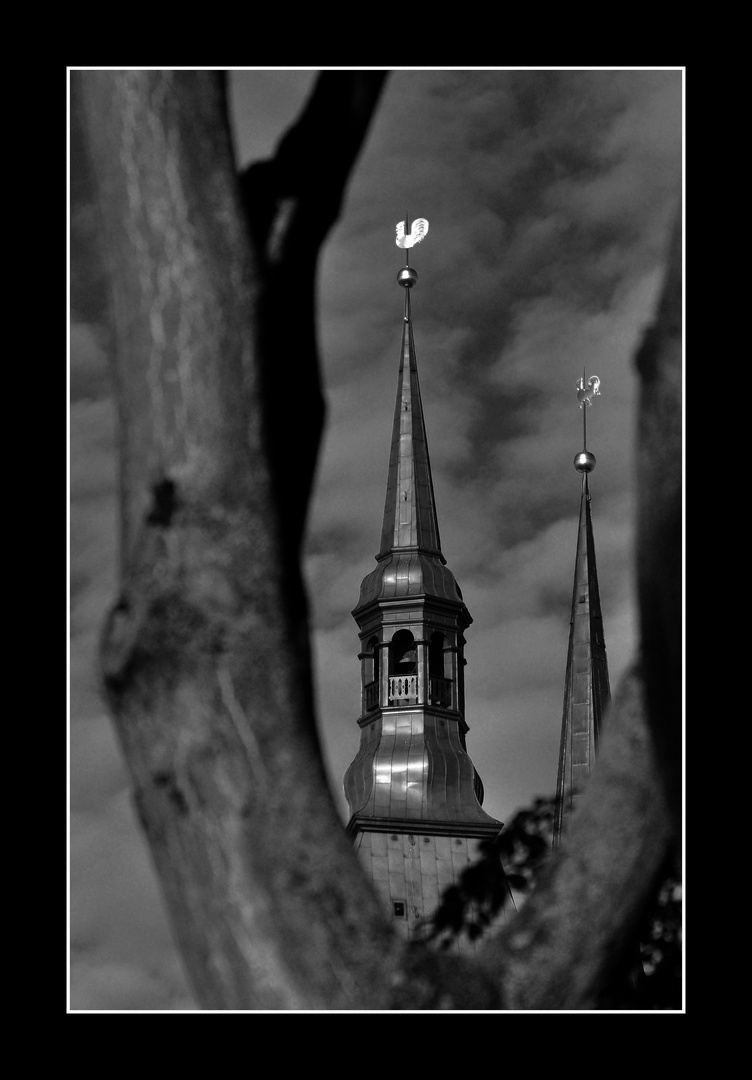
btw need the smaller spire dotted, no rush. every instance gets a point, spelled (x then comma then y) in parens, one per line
(587, 692)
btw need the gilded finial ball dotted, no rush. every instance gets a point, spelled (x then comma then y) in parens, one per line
(407, 277)
(584, 461)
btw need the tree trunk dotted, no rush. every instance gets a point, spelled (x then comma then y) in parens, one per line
(206, 657)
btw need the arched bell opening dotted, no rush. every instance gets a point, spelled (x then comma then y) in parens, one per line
(403, 654)
(403, 669)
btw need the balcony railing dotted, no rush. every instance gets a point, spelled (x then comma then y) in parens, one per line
(440, 691)
(403, 689)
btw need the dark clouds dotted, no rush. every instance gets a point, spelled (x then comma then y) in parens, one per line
(549, 196)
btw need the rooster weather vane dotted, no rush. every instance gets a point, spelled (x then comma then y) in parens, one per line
(587, 391)
(407, 277)
(584, 462)
(416, 234)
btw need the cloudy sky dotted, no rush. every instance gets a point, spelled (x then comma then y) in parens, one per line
(549, 195)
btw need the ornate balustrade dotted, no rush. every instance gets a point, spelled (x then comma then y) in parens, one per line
(440, 691)
(403, 689)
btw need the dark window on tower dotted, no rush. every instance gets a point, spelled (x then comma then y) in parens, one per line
(399, 909)
(436, 655)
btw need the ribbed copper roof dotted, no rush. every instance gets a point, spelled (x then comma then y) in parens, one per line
(412, 766)
(409, 573)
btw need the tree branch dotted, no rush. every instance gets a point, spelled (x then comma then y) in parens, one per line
(292, 200)
(659, 531)
(206, 655)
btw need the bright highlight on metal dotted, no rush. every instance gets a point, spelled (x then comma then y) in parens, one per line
(587, 391)
(416, 234)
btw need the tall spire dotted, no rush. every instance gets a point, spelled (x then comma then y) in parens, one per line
(587, 692)
(409, 509)
(410, 561)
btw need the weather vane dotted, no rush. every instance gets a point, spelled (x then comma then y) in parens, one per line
(407, 238)
(587, 391)
(584, 462)
(410, 239)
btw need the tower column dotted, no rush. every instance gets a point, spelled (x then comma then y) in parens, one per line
(422, 647)
(384, 673)
(453, 666)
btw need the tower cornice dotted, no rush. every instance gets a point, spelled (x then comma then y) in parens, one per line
(410, 576)
(481, 830)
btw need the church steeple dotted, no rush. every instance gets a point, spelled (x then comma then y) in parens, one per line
(587, 692)
(414, 794)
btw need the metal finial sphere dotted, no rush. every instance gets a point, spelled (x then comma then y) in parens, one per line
(584, 462)
(407, 277)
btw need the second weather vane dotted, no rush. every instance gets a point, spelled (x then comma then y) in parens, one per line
(586, 391)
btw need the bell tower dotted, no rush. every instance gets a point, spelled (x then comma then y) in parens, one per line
(413, 792)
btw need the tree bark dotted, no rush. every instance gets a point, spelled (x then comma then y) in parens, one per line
(205, 657)
(659, 526)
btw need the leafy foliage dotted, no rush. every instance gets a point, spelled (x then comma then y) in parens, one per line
(472, 905)
(525, 845)
(512, 862)
(658, 982)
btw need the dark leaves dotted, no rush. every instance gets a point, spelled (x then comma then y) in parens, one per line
(471, 906)
(513, 860)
